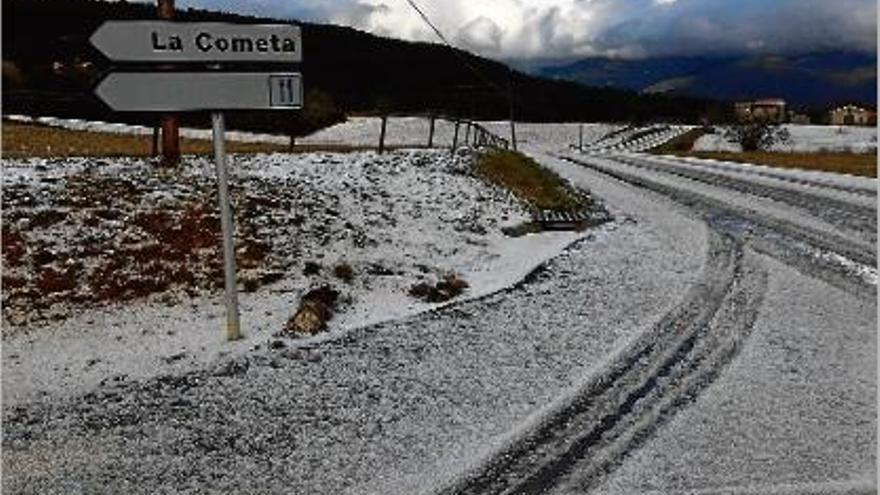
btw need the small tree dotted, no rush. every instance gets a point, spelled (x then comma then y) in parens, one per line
(754, 136)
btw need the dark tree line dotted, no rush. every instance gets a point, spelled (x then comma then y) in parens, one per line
(49, 68)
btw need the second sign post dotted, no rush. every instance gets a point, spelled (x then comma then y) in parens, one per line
(211, 89)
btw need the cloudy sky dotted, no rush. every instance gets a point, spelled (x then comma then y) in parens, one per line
(566, 29)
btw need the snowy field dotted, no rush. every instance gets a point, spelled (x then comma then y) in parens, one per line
(400, 131)
(551, 137)
(805, 139)
(92, 264)
(364, 131)
(413, 131)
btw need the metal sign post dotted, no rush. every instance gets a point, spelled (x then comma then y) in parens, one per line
(233, 326)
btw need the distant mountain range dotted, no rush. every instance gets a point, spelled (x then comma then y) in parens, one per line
(816, 80)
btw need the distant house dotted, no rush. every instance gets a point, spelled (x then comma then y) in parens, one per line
(853, 115)
(766, 110)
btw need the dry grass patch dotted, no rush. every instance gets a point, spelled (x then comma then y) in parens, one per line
(34, 140)
(344, 272)
(450, 287)
(315, 309)
(528, 181)
(841, 163)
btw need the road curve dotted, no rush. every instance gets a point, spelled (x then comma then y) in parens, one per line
(825, 233)
(666, 354)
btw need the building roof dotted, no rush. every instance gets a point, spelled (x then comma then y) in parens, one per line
(774, 102)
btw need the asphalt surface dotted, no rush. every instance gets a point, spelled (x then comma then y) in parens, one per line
(718, 337)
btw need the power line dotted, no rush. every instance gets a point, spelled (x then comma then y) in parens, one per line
(473, 69)
(455, 51)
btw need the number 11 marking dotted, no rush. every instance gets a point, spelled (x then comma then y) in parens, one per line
(285, 91)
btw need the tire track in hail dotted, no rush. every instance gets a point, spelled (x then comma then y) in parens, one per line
(756, 171)
(815, 254)
(656, 375)
(854, 218)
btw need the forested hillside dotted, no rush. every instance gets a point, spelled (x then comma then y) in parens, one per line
(50, 68)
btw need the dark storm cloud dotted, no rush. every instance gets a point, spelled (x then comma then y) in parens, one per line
(722, 26)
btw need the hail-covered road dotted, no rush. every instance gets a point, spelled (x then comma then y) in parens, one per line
(718, 337)
(761, 380)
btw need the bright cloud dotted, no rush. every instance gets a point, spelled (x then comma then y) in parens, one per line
(565, 29)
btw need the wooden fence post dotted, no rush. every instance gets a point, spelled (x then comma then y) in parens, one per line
(581, 138)
(170, 122)
(455, 137)
(431, 132)
(382, 135)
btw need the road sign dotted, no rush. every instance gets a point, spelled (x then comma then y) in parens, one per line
(167, 41)
(191, 91)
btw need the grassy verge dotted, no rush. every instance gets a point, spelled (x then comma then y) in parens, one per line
(841, 163)
(864, 165)
(528, 181)
(27, 140)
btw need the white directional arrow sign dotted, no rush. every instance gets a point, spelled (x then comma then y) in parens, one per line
(191, 91)
(168, 41)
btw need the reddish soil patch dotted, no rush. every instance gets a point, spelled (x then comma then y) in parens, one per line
(93, 241)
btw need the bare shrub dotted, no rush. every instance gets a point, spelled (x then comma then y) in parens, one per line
(311, 268)
(757, 136)
(344, 272)
(315, 310)
(450, 287)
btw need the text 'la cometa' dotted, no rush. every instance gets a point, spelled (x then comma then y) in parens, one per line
(206, 42)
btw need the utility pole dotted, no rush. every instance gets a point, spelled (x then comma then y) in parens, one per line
(169, 123)
(512, 116)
